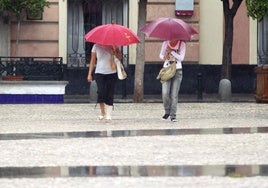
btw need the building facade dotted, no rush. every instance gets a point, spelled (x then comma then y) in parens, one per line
(61, 32)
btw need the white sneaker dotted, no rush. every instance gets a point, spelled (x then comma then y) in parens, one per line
(173, 119)
(100, 117)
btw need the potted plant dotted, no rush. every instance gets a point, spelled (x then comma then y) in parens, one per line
(19, 8)
(35, 8)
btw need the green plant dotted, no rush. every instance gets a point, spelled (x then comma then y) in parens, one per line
(35, 7)
(257, 9)
(20, 7)
(236, 175)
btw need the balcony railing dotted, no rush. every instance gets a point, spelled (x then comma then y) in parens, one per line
(32, 68)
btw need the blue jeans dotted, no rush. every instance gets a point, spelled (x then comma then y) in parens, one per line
(170, 92)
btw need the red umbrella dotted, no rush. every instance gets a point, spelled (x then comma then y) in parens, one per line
(112, 34)
(169, 29)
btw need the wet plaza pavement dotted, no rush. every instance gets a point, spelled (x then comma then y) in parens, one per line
(62, 145)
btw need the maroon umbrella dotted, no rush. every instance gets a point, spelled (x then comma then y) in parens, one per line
(169, 29)
(112, 34)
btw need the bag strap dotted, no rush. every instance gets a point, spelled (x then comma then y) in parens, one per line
(178, 50)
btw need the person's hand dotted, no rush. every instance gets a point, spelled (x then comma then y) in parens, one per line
(168, 51)
(166, 56)
(89, 78)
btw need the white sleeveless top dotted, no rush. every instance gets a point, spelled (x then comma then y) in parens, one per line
(103, 59)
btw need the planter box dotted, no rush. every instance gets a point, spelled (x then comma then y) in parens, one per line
(12, 78)
(27, 92)
(262, 84)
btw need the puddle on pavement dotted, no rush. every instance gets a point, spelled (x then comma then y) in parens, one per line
(135, 171)
(129, 133)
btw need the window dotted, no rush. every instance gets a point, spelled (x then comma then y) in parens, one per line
(84, 15)
(184, 7)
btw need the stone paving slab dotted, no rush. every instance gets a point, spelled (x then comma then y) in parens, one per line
(128, 116)
(140, 182)
(250, 148)
(144, 150)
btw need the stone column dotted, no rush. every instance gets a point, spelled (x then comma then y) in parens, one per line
(263, 41)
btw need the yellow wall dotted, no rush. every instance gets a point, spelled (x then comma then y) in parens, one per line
(133, 25)
(211, 32)
(63, 30)
(253, 42)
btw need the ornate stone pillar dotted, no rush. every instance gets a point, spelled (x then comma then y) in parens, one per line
(263, 42)
(262, 69)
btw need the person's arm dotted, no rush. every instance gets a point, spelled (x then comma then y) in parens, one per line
(181, 54)
(91, 66)
(163, 53)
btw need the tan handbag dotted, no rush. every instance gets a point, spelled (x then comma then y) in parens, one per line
(166, 73)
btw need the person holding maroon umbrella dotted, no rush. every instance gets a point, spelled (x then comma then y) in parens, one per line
(102, 56)
(172, 52)
(174, 32)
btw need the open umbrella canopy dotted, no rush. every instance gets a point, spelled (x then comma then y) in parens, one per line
(112, 34)
(169, 29)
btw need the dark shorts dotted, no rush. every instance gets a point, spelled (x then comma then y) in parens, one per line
(106, 86)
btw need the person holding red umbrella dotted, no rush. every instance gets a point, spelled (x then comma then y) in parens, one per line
(172, 51)
(102, 56)
(106, 37)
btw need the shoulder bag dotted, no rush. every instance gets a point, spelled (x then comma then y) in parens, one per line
(121, 73)
(166, 73)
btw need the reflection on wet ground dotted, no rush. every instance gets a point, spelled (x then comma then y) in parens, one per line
(128, 133)
(135, 171)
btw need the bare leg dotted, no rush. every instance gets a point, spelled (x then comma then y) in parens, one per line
(102, 107)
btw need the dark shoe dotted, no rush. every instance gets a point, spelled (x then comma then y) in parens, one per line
(165, 117)
(173, 119)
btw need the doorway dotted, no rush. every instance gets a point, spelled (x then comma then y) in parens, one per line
(84, 15)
